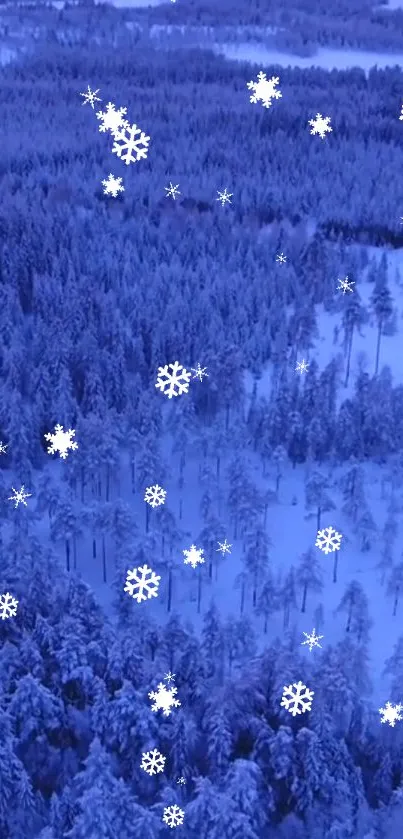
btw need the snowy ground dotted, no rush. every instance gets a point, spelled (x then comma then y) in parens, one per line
(326, 58)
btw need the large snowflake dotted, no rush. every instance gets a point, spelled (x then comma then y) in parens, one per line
(320, 125)
(155, 495)
(297, 701)
(61, 441)
(173, 381)
(194, 556)
(153, 762)
(142, 583)
(173, 815)
(328, 540)
(264, 89)
(8, 606)
(391, 713)
(112, 119)
(128, 145)
(164, 699)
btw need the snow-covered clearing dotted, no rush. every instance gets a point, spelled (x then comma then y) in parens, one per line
(326, 58)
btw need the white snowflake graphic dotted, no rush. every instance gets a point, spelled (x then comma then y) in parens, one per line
(312, 640)
(199, 372)
(19, 496)
(391, 713)
(264, 89)
(345, 285)
(181, 780)
(173, 816)
(172, 191)
(128, 145)
(224, 197)
(169, 677)
(320, 125)
(8, 606)
(112, 119)
(3, 447)
(297, 701)
(224, 547)
(328, 540)
(302, 366)
(164, 699)
(155, 496)
(281, 258)
(401, 112)
(90, 97)
(61, 441)
(194, 556)
(112, 186)
(175, 382)
(153, 762)
(142, 583)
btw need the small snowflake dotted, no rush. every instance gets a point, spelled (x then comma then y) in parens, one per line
(302, 366)
(90, 97)
(298, 701)
(155, 496)
(194, 556)
(281, 258)
(112, 119)
(345, 285)
(199, 372)
(401, 112)
(61, 441)
(8, 606)
(3, 447)
(264, 89)
(172, 191)
(173, 816)
(224, 197)
(173, 383)
(153, 762)
(328, 540)
(312, 640)
(128, 145)
(164, 699)
(19, 496)
(320, 125)
(112, 186)
(142, 583)
(224, 547)
(169, 677)
(391, 713)
(181, 780)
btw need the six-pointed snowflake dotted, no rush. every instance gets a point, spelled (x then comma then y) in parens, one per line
(391, 713)
(169, 677)
(128, 145)
(181, 780)
(264, 89)
(112, 186)
(281, 258)
(320, 125)
(312, 640)
(173, 816)
(172, 191)
(401, 112)
(224, 547)
(164, 699)
(302, 366)
(112, 119)
(194, 556)
(142, 583)
(175, 382)
(297, 701)
(224, 197)
(153, 762)
(345, 285)
(8, 606)
(61, 441)
(3, 447)
(328, 540)
(199, 372)
(155, 496)
(19, 496)
(90, 97)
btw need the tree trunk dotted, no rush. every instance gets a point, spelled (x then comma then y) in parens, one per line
(396, 602)
(67, 544)
(378, 346)
(336, 559)
(107, 482)
(242, 598)
(199, 593)
(103, 558)
(304, 597)
(147, 517)
(169, 601)
(349, 348)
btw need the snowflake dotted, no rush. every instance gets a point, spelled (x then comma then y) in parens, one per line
(153, 762)
(281, 258)
(199, 372)
(401, 112)
(181, 780)
(173, 816)
(391, 713)
(3, 447)
(19, 496)
(128, 146)
(111, 119)
(302, 697)
(345, 285)
(90, 97)
(302, 367)
(320, 125)
(328, 540)
(169, 677)
(224, 197)
(164, 699)
(174, 383)
(61, 441)
(145, 581)
(312, 640)
(112, 186)
(172, 191)
(224, 547)
(8, 606)
(155, 496)
(194, 556)
(264, 89)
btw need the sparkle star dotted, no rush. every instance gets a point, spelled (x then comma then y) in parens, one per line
(19, 496)
(302, 366)
(223, 547)
(312, 640)
(281, 258)
(3, 447)
(199, 372)
(172, 191)
(345, 285)
(90, 97)
(169, 677)
(224, 197)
